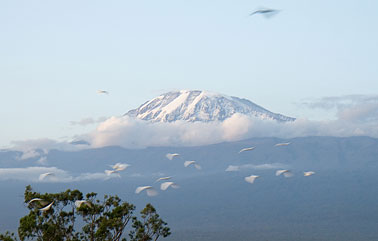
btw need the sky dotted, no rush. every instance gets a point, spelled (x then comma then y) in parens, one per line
(303, 62)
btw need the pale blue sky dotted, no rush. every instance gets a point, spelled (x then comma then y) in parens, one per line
(55, 55)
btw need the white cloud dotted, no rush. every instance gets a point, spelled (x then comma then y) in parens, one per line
(351, 108)
(133, 133)
(367, 112)
(29, 154)
(130, 132)
(42, 160)
(88, 121)
(31, 174)
(40, 147)
(266, 166)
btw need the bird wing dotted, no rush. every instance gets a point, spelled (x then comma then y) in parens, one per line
(163, 178)
(109, 172)
(306, 174)
(247, 149)
(164, 186)
(33, 200)
(279, 172)
(288, 174)
(140, 189)
(170, 156)
(258, 11)
(44, 175)
(151, 192)
(121, 166)
(115, 166)
(282, 144)
(251, 178)
(47, 207)
(88, 204)
(198, 167)
(78, 203)
(269, 13)
(187, 163)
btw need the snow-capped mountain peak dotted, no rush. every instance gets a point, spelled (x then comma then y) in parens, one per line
(196, 105)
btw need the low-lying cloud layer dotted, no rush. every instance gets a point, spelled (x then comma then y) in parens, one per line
(134, 133)
(38, 147)
(32, 174)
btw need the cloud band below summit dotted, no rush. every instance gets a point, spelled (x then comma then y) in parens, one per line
(134, 133)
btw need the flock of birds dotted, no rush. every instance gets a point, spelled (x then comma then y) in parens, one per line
(284, 172)
(166, 183)
(150, 191)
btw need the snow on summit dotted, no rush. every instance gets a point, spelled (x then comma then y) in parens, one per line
(196, 105)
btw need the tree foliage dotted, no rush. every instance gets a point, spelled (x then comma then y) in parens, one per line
(96, 220)
(151, 226)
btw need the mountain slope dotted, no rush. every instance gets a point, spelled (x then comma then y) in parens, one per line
(195, 105)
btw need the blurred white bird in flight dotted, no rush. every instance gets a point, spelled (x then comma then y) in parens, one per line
(170, 156)
(285, 173)
(247, 149)
(78, 203)
(44, 175)
(117, 168)
(165, 185)
(309, 173)
(149, 190)
(110, 172)
(251, 178)
(162, 178)
(282, 144)
(188, 163)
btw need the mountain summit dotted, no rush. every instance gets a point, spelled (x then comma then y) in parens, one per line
(196, 105)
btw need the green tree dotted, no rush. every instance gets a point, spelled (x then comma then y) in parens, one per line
(7, 237)
(99, 220)
(150, 228)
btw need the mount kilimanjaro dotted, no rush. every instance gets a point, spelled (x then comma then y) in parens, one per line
(196, 105)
